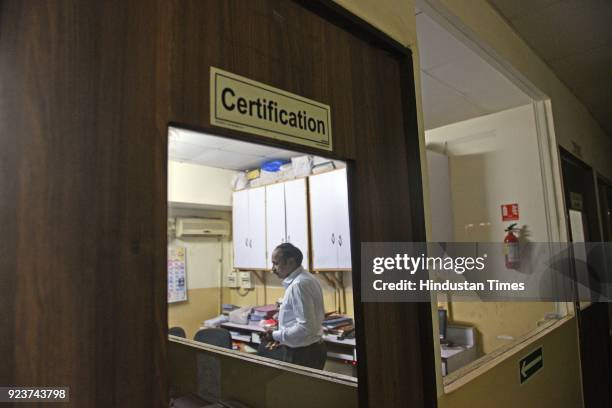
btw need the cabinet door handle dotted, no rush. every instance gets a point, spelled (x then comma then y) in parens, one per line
(333, 238)
(288, 238)
(246, 242)
(339, 239)
(250, 243)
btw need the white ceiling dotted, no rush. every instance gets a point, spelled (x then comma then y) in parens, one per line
(456, 83)
(214, 151)
(574, 37)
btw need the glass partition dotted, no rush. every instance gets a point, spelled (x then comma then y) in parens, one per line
(487, 186)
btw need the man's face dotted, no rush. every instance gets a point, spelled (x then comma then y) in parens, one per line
(281, 267)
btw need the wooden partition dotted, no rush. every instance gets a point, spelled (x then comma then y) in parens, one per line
(83, 200)
(235, 376)
(88, 90)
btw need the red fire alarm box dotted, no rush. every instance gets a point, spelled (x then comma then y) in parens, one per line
(510, 212)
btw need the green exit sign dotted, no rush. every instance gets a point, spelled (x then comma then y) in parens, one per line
(531, 364)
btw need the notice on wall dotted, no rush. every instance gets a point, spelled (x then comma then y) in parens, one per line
(177, 278)
(240, 103)
(510, 212)
(576, 202)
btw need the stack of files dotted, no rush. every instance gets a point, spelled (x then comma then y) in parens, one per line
(336, 321)
(227, 308)
(237, 336)
(343, 331)
(337, 324)
(240, 315)
(216, 321)
(260, 313)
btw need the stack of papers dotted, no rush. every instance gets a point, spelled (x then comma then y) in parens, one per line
(227, 308)
(216, 321)
(338, 324)
(260, 313)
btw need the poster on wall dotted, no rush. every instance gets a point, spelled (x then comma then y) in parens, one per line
(177, 282)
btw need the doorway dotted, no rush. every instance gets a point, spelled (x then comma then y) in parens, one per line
(593, 318)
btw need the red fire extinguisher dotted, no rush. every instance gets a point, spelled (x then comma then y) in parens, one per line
(512, 253)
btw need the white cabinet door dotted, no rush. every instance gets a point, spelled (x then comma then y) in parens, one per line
(240, 228)
(331, 238)
(275, 218)
(257, 228)
(323, 222)
(296, 210)
(341, 208)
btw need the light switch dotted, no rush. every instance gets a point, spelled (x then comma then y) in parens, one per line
(232, 280)
(245, 280)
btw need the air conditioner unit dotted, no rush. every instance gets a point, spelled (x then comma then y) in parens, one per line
(195, 227)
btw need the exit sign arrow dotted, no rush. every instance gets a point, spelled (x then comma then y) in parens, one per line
(531, 364)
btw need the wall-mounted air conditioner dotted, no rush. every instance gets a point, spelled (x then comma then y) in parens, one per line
(198, 227)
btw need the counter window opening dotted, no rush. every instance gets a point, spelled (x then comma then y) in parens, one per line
(259, 253)
(473, 174)
(490, 165)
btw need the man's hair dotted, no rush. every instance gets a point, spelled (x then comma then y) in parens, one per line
(288, 251)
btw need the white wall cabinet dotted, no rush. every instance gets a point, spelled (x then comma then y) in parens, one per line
(287, 217)
(267, 216)
(329, 217)
(275, 218)
(249, 228)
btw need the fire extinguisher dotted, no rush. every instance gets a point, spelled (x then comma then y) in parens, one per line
(512, 253)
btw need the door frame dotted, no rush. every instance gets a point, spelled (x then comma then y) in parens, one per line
(596, 315)
(339, 16)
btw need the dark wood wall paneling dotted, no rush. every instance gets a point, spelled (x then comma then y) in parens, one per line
(82, 200)
(88, 89)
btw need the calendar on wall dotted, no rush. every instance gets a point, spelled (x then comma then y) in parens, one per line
(177, 278)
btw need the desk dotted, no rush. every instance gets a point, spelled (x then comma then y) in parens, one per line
(338, 349)
(249, 327)
(463, 349)
(456, 357)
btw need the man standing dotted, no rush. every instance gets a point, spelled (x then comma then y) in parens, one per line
(298, 337)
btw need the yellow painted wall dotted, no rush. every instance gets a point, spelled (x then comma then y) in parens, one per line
(203, 273)
(201, 304)
(557, 385)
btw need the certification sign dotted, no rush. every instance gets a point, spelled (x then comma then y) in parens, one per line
(242, 104)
